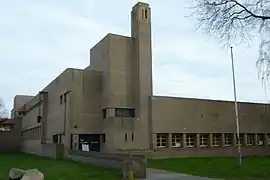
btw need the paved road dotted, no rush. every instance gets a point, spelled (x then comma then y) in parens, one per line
(154, 174)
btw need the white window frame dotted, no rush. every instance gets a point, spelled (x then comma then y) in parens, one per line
(161, 139)
(250, 139)
(241, 139)
(268, 139)
(260, 142)
(228, 140)
(204, 139)
(190, 140)
(177, 140)
(216, 140)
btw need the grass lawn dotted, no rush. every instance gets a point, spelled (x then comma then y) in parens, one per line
(252, 167)
(54, 170)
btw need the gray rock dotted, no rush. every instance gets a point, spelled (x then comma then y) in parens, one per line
(20, 174)
(15, 173)
(33, 174)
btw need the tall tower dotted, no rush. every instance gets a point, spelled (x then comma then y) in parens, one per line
(142, 49)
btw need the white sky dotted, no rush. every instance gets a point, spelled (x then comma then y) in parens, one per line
(39, 39)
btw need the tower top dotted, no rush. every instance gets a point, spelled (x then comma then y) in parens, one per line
(139, 4)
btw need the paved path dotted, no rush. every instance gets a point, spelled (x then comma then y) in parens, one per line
(155, 174)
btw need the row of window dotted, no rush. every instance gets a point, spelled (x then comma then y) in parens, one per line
(32, 134)
(190, 140)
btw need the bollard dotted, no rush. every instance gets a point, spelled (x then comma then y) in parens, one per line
(130, 175)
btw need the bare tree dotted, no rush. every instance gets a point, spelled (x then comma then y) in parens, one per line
(3, 110)
(238, 21)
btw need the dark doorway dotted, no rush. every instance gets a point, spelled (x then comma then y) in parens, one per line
(89, 142)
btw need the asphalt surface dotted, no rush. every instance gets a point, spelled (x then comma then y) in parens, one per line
(155, 174)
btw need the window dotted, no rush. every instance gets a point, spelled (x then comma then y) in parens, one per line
(216, 140)
(145, 13)
(161, 140)
(176, 140)
(124, 112)
(132, 137)
(55, 138)
(39, 119)
(240, 141)
(204, 140)
(104, 113)
(260, 139)
(126, 137)
(190, 140)
(20, 114)
(61, 99)
(228, 138)
(250, 139)
(268, 139)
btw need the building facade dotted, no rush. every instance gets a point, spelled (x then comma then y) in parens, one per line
(110, 106)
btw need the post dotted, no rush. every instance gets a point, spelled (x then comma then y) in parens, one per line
(236, 112)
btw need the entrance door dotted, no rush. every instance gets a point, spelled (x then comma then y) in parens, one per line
(89, 142)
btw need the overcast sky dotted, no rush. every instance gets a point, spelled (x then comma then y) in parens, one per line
(40, 39)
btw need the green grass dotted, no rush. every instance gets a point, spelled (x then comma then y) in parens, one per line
(252, 167)
(54, 169)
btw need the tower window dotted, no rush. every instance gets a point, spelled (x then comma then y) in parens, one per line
(126, 137)
(145, 13)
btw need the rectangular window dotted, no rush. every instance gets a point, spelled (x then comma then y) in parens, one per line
(240, 140)
(104, 113)
(132, 137)
(216, 140)
(161, 141)
(250, 139)
(126, 137)
(204, 140)
(268, 139)
(145, 13)
(176, 140)
(190, 140)
(260, 139)
(55, 138)
(61, 99)
(124, 112)
(228, 139)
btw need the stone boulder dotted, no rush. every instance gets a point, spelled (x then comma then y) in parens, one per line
(19, 174)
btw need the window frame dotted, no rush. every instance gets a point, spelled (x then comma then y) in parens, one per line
(204, 140)
(190, 140)
(240, 140)
(216, 140)
(126, 112)
(268, 139)
(258, 139)
(176, 139)
(250, 139)
(162, 141)
(228, 140)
